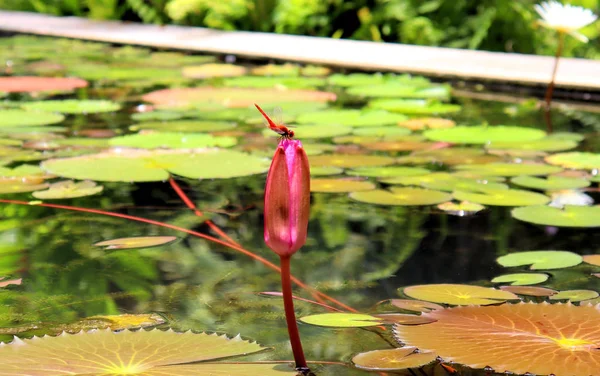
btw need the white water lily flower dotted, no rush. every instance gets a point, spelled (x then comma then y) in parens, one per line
(565, 18)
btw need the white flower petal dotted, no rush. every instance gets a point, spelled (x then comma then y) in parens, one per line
(564, 18)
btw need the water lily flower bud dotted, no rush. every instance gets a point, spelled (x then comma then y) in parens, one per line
(287, 199)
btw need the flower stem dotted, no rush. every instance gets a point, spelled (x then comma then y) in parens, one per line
(550, 89)
(290, 316)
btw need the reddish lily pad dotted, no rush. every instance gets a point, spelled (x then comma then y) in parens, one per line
(403, 319)
(418, 124)
(7, 282)
(415, 305)
(136, 242)
(68, 189)
(592, 259)
(458, 294)
(529, 290)
(392, 360)
(29, 84)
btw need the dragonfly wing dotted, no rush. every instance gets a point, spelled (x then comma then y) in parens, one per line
(277, 116)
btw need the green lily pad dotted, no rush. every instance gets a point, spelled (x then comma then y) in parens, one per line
(20, 186)
(131, 165)
(84, 142)
(68, 189)
(541, 259)
(460, 209)
(172, 140)
(361, 79)
(350, 161)
(502, 197)
(484, 134)
(575, 295)
(544, 144)
(520, 279)
(157, 116)
(351, 118)
(394, 359)
(577, 160)
(315, 131)
(339, 185)
(381, 131)
(213, 70)
(384, 172)
(415, 305)
(186, 126)
(276, 70)
(414, 106)
(450, 156)
(569, 216)
(551, 183)
(566, 136)
(17, 118)
(417, 124)
(136, 242)
(458, 294)
(399, 90)
(529, 290)
(444, 181)
(401, 197)
(325, 170)
(104, 72)
(314, 71)
(24, 171)
(342, 320)
(274, 82)
(72, 106)
(509, 169)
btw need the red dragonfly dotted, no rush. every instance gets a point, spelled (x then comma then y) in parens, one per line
(280, 129)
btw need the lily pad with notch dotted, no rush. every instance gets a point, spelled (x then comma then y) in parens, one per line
(136, 242)
(550, 183)
(393, 359)
(541, 259)
(569, 216)
(68, 189)
(456, 294)
(521, 279)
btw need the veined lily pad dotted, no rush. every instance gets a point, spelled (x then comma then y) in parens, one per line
(520, 279)
(509, 169)
(274, 82)
(349, 161)
(579, 160)
(28, 84)
(394, 359)
(213, 70)
(72, 106)
(461, 209)
(575, 295)
(502, 197)
(418, 124)
(340, 185)
(19, 118)
(570, 216)
(342, 320)
(484, 134)
(141, 165)
(414, 106)
(352, 118)
(592, 259)
(104, 354)
(400, 90)
(459, 294)
(544, 144)
(529, 290)
(401, 196)
(415, 305)
(384, 172)
(381, 131)
(68, 189)
(541, 259)
(136, 242)
(172, 140)
(551, 183)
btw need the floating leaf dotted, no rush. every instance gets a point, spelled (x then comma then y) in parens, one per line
(395, 359)
(326, 170)
(19, 118)
(277, 70)
(450, 156)
(150, 353)
(158, 116)
(529, 290)
(520, 279)
(29, 84)
(274, 82)
(580, 160)
(340, 185)
(314, 70)
(544, 144)
(186, 126)
(458, 294)
(502, 197)
(314, 131)
(446, 182)
(351, 118)
(418, 124)
(382, 131)
(541, 259)
(569, 216)
(382, 172)
(20, 186)
(342, 320)
(401, 196)
(509, 169)
(68, 189)
(540, 339)
(550, 183)
(72, 106)
(461, 209)
(403, 319)
(213, 70)
(24, 172)
(415, 305)
(414, 106)
(592, 259)
(484, 134)
(400, 90)
(348, 161)
(136, 242)
(172, 140)
(575, 295)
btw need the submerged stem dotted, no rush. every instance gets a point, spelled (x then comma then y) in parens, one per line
(550, 89)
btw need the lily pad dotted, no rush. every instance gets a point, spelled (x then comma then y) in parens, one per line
(575, 295)
(459, 294)
(569, 216)
(274, 82)
(415, 305)
(544, 144)
(24, 172)
(502, 197)
(400, 90)
(342, 320)
(461, 209)
(315, 70)
(136, 242)
(541, 259)
(578, 160)
(276, 70)
(592, 259)
(325, 170)
(509, 169)
(521, 279)
(401, 196)
(414, 106)
(68, 189)
(158, 116)
(141, 165)
(351, 118)
(450, 156)
(29, 84)
(172, 140)
(418, 124)
(20, 186)
(314, 131)
(213, 70)
(484, 134)
(72, 106)
(19, 118)
(350, 161)
(384, 172)
(104, 354)
(529, 290)
(381, 131)
(550, 183)
(444, 181)
(394, 359)
(340, 185)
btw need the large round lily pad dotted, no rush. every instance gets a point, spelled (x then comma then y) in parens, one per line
(394, 359)
(401, 196)
(458, 294)
(172, 140)
(541, 259)
(140, 165)
(484, 134)
(352, 118)
(509, 169)
(502, 197)
(414, 106)
(29, 84)
(72, 106)
(551, 183)
(578, 160)
(569, 216)
(20, 118)
(544, 144)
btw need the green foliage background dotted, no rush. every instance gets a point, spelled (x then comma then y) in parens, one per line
(494, 25)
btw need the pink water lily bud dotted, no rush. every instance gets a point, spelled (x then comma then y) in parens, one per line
(287, 199)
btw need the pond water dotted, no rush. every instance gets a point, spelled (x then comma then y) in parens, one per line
(363, 246)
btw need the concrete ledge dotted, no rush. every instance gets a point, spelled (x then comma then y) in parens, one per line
(431, 61)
